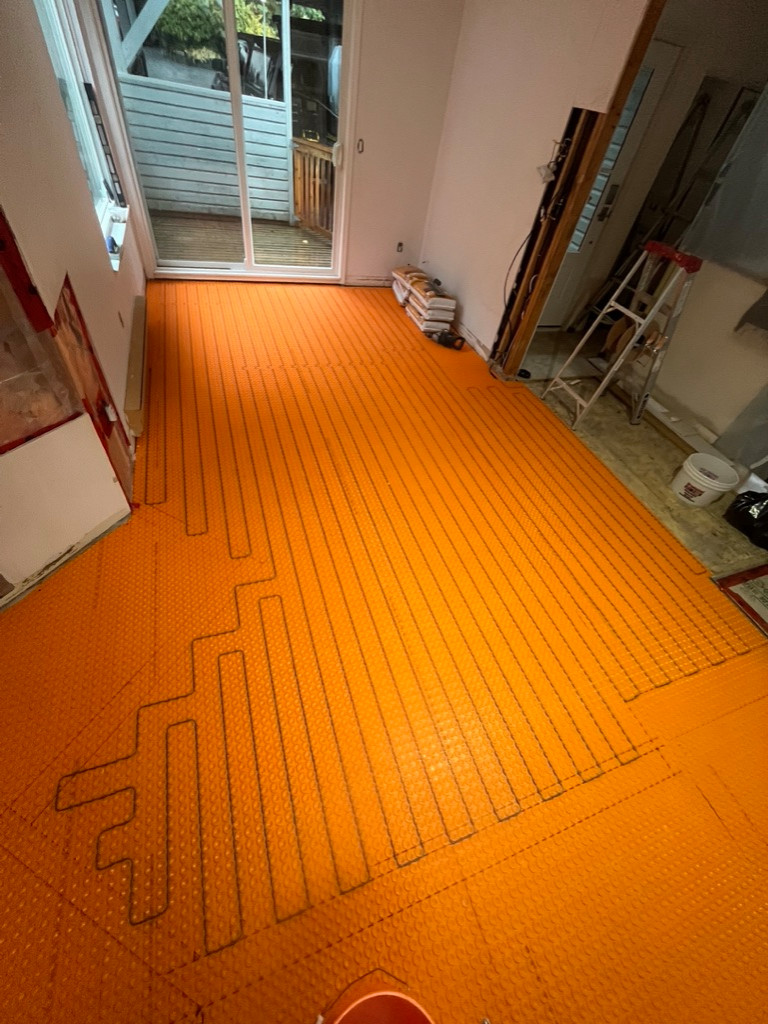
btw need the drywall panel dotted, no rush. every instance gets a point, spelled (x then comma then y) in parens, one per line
(605, 31)
(406, 53)
(713, 371)
(520, 67)
(62, 482)
(44, 194)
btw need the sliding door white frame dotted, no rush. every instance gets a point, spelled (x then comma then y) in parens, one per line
(105, 83)
(107, 90)
(238, 129)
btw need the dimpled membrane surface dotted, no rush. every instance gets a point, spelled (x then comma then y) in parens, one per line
(387, 683)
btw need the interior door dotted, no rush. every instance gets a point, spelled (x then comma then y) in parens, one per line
(585, 245)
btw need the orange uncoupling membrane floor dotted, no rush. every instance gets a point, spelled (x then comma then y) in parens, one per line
(387, 682)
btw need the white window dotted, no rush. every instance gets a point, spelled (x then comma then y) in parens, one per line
(67, 57)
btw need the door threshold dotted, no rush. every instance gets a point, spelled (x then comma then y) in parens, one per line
(232, 274)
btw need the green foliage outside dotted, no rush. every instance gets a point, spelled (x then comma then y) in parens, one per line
(191, 24)
(197, 25)
(307, 13)
(250, 17)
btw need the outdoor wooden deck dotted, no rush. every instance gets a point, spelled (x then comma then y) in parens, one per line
(215, 238)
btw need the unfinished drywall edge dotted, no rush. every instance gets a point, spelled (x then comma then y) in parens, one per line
(516, 78)
(21, 589)
(56, 491)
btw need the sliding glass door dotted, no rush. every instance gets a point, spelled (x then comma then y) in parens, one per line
(232, 111)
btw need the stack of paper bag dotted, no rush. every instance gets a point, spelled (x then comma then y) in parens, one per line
(430, 308)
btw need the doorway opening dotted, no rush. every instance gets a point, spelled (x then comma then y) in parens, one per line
(593, 240)
(232, 112)
(685, 107)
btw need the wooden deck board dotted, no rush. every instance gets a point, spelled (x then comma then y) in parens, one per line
(219, 239)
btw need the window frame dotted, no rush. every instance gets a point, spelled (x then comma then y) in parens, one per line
(67, 53)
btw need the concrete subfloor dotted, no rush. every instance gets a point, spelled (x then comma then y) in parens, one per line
(550, 349)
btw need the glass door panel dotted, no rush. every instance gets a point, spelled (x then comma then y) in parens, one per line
(290, 124)
(202, 160)
(171, 68)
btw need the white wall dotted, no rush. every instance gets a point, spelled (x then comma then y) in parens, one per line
(521, 66)
(57, 493)
(712, 372)
(406, 54)
(45, 197)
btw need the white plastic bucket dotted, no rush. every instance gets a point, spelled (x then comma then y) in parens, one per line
(702, 478)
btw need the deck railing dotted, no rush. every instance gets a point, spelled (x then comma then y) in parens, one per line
(313, 184)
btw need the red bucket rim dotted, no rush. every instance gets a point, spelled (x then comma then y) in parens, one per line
(345, 1014)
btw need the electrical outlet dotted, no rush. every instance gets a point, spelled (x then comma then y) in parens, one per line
(399, 247)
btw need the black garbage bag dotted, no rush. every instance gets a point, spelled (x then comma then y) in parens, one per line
(748, 512)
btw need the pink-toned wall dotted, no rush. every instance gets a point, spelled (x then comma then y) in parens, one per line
(520, 66)
(405, 56)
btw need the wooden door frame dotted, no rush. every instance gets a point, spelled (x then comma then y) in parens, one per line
(552, 234)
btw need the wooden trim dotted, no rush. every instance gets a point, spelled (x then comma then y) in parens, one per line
(542, 262)
(578, 132)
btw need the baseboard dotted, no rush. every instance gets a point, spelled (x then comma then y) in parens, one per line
(474, 342)
(136, 385)
(369, 282)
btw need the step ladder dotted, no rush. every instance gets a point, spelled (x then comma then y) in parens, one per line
(658, 281)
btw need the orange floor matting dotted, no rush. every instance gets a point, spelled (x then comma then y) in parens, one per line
(388, 682)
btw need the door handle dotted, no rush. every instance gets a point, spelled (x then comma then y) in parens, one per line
(610, 199)
(337, 154)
